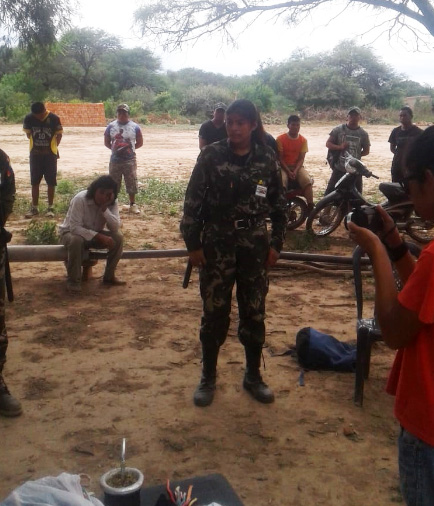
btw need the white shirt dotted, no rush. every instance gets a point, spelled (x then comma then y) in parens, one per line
(85, 218)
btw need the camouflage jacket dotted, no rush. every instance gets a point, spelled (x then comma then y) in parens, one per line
(221, 191)
(7, 188)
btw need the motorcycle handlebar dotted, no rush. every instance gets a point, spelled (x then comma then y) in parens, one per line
(357, 166)
(368, 173)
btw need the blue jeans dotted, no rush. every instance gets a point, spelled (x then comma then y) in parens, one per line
(416, 470)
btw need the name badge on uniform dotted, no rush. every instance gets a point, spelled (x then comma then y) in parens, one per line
(261, 191)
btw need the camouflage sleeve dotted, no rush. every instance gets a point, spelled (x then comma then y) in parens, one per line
(277, 201)
(7, 187)
(192, 220)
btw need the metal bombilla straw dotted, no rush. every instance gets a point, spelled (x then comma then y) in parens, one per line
(124, 441)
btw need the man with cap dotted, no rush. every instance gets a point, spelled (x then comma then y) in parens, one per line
(122, 136)
(214, 129)
(351, 137)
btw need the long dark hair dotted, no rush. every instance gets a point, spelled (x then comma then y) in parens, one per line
(247, 110)
(104, 182)
(420, 155)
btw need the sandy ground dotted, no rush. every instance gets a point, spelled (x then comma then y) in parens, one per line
(116, 363)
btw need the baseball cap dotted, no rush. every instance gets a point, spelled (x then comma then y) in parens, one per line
(220, 106)
(123, 107)
(354, 109)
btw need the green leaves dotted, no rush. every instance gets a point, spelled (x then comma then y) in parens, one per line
(35, 23)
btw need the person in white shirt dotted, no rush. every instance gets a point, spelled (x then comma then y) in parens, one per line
(90, 211)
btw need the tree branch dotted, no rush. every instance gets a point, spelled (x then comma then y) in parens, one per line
(177, 22)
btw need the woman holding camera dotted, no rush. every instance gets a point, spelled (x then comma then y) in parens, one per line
(406, 320)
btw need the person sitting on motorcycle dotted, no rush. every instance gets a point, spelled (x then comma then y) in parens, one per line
(292, 150)
(351, 137)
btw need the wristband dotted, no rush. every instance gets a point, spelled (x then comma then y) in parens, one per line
(388, 233)
(397, 252)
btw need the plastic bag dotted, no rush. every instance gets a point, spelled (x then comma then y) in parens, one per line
(62, 490)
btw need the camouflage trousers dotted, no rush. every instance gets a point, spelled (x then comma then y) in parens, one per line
(128, 169)
(234, 256)
(3, 333)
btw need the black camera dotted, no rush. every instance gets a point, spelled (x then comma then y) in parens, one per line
(366, 217)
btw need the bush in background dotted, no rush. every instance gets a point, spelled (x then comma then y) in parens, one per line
(41, 232)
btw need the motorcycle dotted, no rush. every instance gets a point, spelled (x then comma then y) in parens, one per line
(296, 210)
(331, 209)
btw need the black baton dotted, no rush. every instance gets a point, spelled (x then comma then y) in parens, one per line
(8, 277)
(187, 274)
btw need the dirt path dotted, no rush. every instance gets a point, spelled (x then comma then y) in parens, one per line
(119, 363)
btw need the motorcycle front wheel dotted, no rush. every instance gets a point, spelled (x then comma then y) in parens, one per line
(419, 229)
(296, 213)
(325, 218)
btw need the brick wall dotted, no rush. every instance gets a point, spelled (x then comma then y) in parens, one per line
(79, 114)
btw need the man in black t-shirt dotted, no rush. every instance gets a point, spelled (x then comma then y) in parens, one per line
(214, 129)
(399, 139)
(44, 131)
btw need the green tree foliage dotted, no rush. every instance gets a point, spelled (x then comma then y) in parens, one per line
(412, 88)
(165, 102)
(128, 68)
(36, 23)
(6, 54)
(14, 105)
(202, 99)
(85, 64)
(360, 65)
(79, 56)
(91, 65)
(350, 74)
(259, 93)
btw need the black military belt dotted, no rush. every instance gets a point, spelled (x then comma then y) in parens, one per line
(243, 224)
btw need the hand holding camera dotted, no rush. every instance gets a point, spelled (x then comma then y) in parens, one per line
(367, 217)
(374, 224)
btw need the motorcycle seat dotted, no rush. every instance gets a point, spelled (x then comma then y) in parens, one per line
(393, 192)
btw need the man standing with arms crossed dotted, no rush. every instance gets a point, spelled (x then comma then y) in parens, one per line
(399, 140)
(123, 137)
(44, 131)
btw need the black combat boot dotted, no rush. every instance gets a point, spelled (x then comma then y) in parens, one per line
(253, 382)
(9, 406)
(204, 393)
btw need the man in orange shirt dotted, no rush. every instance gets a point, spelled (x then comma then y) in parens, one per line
(292, 149)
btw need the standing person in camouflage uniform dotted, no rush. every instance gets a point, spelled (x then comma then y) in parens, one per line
(234, 187)
(9, 406)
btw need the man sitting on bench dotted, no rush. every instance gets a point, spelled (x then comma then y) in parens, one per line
(89, 212)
